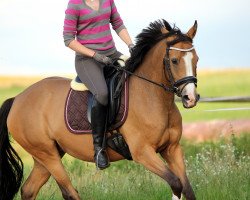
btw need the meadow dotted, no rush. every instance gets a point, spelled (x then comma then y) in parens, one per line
(217, 170)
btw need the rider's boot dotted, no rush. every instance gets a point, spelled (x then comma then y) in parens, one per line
(98, 125)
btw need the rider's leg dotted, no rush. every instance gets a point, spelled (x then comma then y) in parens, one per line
(91, 74)
(98, 124)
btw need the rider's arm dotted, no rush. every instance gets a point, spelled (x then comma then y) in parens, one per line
(70, 29)
(79, 48)
(124, 35)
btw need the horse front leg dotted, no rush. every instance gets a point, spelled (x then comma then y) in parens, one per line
(175, 159)
(151, 161)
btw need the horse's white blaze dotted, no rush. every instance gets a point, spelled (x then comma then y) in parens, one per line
(190, 88)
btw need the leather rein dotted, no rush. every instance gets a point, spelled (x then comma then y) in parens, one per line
(174, 88)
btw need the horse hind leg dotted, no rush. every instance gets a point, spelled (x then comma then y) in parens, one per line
(174, 157)
(37, 178)
(49, 157)
(150, 160)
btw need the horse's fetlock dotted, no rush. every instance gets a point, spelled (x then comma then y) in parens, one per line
(176, 186)
(69, 197)
(189, 195)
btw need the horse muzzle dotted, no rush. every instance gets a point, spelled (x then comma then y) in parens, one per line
(189, 96)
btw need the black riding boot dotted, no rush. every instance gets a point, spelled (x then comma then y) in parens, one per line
(98, 124)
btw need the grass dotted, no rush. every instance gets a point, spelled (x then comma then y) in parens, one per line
(217, 170)
(224, 83)
(10, 91)
(207, 111)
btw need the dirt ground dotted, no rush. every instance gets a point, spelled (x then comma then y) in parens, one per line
(214, 130)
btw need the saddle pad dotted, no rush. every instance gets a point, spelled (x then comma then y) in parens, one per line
(76, 111)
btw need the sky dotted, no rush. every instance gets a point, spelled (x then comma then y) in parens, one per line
(32, 41)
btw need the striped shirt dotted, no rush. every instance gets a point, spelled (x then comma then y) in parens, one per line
(90, 27)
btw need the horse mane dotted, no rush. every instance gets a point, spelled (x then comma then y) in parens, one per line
(148, 38)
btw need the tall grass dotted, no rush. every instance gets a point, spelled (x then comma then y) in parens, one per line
(220, 170)
(216, 170)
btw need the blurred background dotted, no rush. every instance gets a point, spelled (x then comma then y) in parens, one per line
(215, 133)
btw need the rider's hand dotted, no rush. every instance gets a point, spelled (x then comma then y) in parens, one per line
(130, 47)
(102, 59)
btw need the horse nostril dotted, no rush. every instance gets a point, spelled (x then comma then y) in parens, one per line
(185, 97)
(198, 97)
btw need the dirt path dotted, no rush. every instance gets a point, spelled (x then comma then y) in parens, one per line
(213, 130)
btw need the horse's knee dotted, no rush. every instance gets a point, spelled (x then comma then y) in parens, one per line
(151, 161)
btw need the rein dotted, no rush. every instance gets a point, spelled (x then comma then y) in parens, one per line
(168, 89)
(174, 88)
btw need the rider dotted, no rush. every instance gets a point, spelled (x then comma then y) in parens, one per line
(89, 22)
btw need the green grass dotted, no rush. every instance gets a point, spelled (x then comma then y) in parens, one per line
(224, 83)
(207, 111)
(8, 92)
(216, 170)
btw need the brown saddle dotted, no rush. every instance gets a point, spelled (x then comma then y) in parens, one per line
(77, 106)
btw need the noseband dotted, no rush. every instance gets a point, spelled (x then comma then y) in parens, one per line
(183, 81)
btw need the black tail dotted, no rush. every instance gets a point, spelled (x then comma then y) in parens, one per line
(11, 166)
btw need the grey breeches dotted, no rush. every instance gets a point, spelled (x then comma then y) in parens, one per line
(91, 74)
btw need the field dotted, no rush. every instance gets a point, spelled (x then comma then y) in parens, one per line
(217, 170)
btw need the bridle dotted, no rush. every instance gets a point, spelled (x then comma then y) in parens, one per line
(183, 81)
(174, 85)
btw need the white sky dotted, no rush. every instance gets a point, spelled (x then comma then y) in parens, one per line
(32, 42)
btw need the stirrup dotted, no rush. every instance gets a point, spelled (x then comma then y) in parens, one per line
(97, 160)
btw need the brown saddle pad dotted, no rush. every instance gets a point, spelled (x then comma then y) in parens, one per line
(76, 109)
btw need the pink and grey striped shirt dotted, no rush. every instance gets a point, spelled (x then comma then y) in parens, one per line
(90, 27)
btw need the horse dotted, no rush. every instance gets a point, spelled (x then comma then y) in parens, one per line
(162, 64)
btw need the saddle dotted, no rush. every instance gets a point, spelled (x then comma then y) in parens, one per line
(79, 103)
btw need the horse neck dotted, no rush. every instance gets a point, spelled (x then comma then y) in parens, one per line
(153, 69)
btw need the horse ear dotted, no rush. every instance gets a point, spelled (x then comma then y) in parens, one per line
(164, 31)
(192, 31)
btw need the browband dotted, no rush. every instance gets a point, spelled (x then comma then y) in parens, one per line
(178, 49)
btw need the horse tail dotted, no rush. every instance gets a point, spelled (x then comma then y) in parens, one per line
(11, 166)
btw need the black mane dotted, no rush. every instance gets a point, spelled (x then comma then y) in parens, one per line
(147, 39)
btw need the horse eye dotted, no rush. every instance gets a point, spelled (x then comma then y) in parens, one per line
(174, 61)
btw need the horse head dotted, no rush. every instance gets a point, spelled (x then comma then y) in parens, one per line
(162, 46)
(180, 64)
